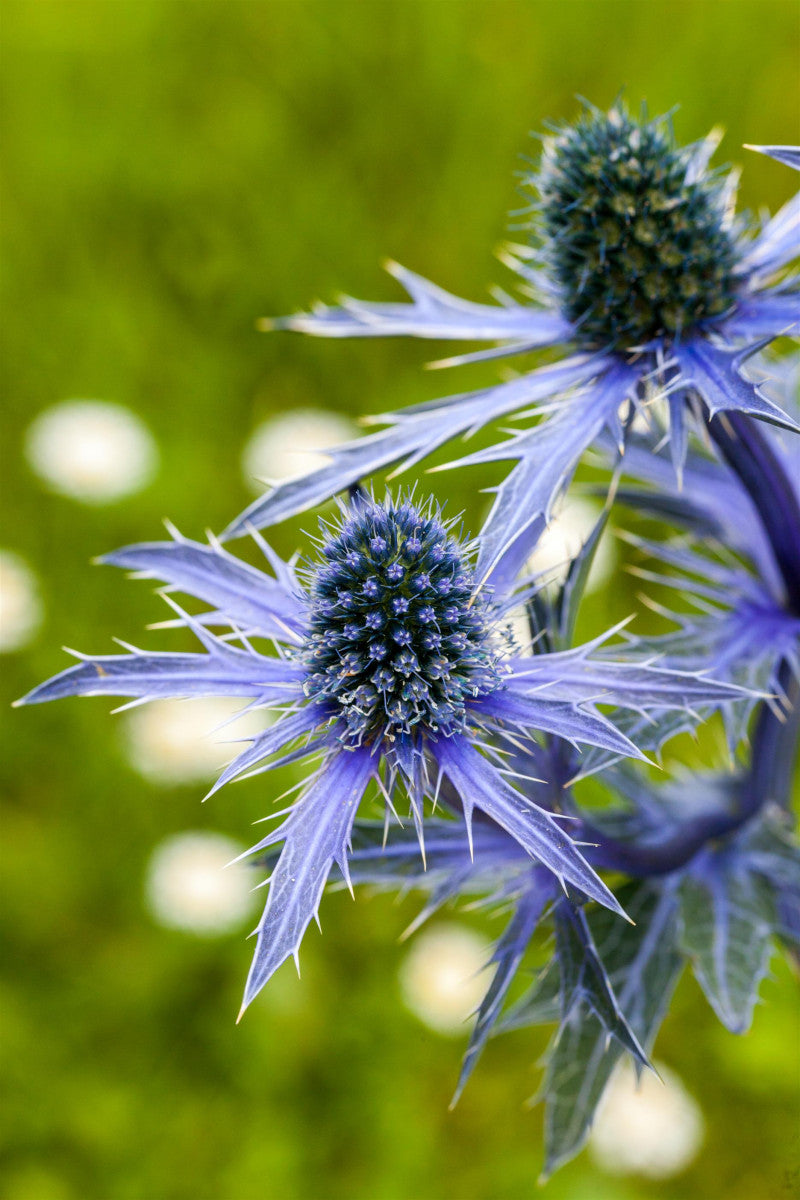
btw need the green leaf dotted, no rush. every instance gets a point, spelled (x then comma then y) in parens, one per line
(643, 965)
(726, 921)
(584, 978)
(541, 1004)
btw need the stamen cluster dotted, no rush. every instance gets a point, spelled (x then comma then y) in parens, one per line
(398, 639)
(635, 243)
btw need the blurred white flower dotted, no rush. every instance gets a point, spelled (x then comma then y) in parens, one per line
(188, 741)
(563, 538)
(521, 630)
(190, 886)
(443, 977)
(649, 419)
(650, 1128)
(20, 606)
(567, 532)
(292, 444)
(91, 451)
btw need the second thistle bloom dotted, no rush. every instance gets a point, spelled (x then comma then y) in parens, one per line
(638, 265)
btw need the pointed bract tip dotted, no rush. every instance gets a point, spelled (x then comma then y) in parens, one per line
(614, 904)
(267, 324)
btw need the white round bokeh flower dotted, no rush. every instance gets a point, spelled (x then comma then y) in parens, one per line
(188, 741)
(563, 538)
(192, 884)
(648, 418)
(443, 977)
(20, 607)
(91, 450)
(292, 444)
(647, 1128)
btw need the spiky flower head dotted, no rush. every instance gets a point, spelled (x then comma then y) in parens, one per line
(639, 264)
(636, 242)
(387, 668)
(398, 639)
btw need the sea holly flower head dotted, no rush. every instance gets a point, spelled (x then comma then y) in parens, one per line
(637, 245)
(399, 640)
(391, 669)
(638, 264)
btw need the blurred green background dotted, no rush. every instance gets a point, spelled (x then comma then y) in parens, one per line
(174, 170)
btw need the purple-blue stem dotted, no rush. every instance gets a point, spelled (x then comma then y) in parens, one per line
(748, 453)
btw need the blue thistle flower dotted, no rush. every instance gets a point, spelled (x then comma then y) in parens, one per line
(392, 667)
(634, 245)
(398, 639)
(638, 264)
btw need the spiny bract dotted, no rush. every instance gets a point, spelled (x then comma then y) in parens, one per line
(398, 637)
(634, 240)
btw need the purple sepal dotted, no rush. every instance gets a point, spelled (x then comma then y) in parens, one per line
(573, 676)
(537, 713)
(788, 155)
(241, 594)
(434, 313)
(764, 315)
(778, 243)
(508, 955)
(223, 671)
(414, 434)
(480, 785)
(265, 745)
(315, 836)
(547, 457)
(714, 372)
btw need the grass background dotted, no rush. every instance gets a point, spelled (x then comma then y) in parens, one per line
(174, 170)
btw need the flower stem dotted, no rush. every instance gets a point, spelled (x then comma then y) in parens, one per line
(748, 453)
(775, 742)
